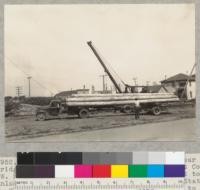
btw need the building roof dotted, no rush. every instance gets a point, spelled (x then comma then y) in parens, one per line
(70, 92)
(179, 77)
(155, 88)
(83, 89)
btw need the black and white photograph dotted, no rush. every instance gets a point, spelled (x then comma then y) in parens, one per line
(100, 72)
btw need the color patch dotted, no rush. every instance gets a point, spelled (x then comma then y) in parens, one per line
(25, 158)
(55, 158)
(140, 158)
(119, 171)
(156, 158)
(101, 171)
(107, 158)
(174, 170)
(156, 171)
(175, 158)
(123, 158)
(83, 171)
(137, 171)
(91, 158)
(45, 158)
(47, 171)
(25, 171)
(64, 171)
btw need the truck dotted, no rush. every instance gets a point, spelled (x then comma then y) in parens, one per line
(123, 100)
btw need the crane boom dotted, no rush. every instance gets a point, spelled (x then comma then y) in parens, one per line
(104, 66)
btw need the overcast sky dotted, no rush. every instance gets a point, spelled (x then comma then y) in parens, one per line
(48, 42)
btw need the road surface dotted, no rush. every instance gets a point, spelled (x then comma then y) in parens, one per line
(174, 131)
(178, 124)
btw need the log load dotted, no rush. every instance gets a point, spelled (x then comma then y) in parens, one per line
(119, 99)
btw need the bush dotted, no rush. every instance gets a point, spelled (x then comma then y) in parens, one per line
(42, 101)
(10, 105)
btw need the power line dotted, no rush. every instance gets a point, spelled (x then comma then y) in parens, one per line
(16, 66)
(41, 85)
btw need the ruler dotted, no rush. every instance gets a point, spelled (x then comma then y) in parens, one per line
(190, 182)
(105, 184)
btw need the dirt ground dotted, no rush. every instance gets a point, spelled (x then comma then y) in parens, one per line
(26, 127)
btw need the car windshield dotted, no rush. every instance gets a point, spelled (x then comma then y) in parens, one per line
(55, 104)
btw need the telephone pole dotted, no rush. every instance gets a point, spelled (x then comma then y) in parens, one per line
(135, 80)
(19, 91)
(104, 82)
(29, 86)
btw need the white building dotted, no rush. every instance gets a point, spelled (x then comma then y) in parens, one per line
(191, 89)
(184, 86)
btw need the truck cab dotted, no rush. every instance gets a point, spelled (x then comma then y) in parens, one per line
(55, 108)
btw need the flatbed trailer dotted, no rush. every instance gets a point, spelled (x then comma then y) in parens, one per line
(85, 105)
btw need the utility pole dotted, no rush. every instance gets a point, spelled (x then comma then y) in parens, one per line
(93, 89)
(29, 86)
(135, 80)
(104, 82)
(19, 91)
(106, 87)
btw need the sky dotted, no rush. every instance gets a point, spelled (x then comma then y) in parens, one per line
(48, 43)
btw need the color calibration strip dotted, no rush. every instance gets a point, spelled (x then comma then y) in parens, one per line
(100, 165)
(100, 171)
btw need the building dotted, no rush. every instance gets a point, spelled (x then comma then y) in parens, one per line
(191, 88)
(154, 89)
(106, 91)
(65, 94)
(184, 86)
(157, 89)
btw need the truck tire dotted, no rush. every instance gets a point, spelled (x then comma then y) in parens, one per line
(84, 113)
(127, 109)
(156, 110)
(41, 117)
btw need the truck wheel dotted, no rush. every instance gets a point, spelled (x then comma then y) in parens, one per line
(41, 117)
(156, 110)
(84, 113)
(127, 109)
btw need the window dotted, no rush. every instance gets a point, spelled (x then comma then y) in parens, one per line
(55, 104)
(182, 84)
